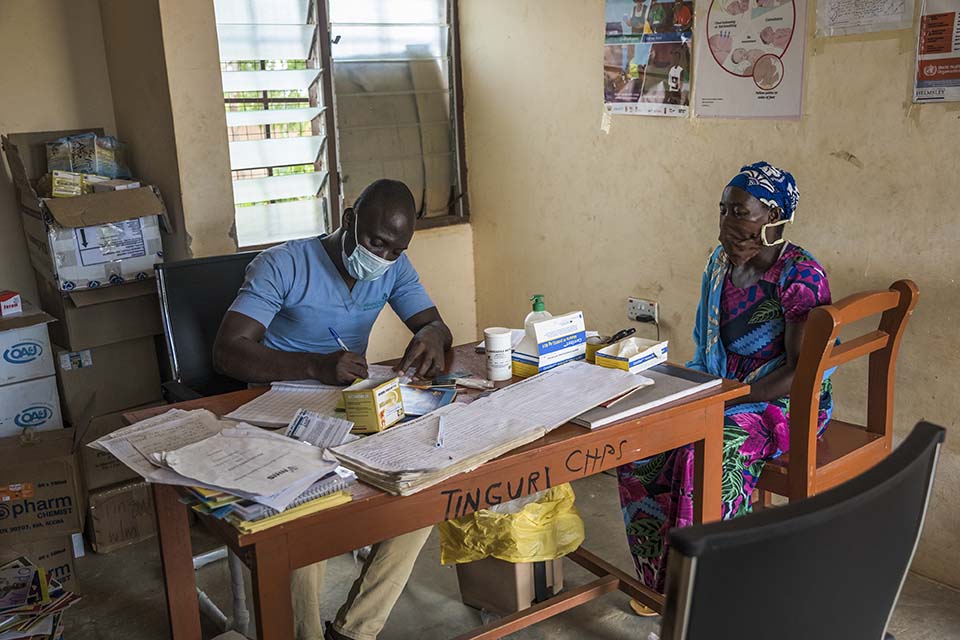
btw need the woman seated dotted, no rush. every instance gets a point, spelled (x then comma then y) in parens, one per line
(756, 293)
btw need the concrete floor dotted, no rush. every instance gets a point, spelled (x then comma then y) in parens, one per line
(123, 595)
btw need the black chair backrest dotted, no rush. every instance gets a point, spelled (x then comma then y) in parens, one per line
(830, 566)
(194, 296)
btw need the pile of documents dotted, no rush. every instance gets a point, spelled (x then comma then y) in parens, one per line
(405, 459)
(232, 464)
(31, 602)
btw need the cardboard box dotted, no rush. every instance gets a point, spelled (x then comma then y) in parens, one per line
(555, 341)
(373, 405)
(643, 353)
(39, 488)
(87, 241)
(117, 376)
(121, 516)
(25, 352)
(10, 303)
(29, 406)
(53, 554)
(99, 468)
(115, 185)
(96, 317)
(504, 587)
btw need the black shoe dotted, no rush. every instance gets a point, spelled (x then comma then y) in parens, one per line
(330, 634)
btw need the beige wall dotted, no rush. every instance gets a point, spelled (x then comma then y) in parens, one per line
(141, 102)
(199, 125)
(165, 73)
(444, 259)
(587, 218)
(53, 77)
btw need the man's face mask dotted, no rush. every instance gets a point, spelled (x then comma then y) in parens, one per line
(362, 264)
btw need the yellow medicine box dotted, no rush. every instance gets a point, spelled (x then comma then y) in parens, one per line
(373, 405)
(633, 354)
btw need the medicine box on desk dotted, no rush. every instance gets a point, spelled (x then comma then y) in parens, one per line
(87, 241)
(649, 353)
(373, 405)
(559, 340)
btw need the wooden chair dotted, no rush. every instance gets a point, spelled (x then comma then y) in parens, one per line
(846, 450)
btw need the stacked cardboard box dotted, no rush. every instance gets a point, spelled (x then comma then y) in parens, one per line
(28, 388)
(93, 255)
(41, 501)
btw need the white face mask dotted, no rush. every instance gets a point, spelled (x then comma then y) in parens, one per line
(362, 264)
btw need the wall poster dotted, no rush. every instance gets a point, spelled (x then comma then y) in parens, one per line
(938, 52)
(752, 64)
(646, 57)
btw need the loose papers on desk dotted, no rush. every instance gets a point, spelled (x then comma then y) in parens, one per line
(405, 459)
(159, 449)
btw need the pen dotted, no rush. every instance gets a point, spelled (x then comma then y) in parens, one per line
(440, 431)
(336, 336)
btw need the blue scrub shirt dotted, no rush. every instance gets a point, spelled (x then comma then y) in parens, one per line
(296, 292)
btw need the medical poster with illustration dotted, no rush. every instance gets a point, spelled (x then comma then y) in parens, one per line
(752, 64)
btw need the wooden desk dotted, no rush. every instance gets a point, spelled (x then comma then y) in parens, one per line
(565, 454)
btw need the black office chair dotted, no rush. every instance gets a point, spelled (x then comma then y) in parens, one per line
(830, 566)
(194, 296)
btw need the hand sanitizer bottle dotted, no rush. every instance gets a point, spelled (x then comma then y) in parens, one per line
(538, 313)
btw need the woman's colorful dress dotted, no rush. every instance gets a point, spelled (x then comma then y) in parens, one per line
(740, 335)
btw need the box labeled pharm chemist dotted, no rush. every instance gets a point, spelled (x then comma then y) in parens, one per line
(633, 354)
(373, 405)
(39, 488)
(555, 341)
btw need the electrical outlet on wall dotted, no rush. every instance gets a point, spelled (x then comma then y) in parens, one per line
(643, 310)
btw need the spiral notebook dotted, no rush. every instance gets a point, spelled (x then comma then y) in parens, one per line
(338, 480)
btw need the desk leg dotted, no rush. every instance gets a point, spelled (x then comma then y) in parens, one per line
(176, 556)
(708, 468)
(271, 589)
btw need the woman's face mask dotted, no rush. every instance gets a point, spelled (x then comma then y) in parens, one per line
(362, 264)
(745, 226)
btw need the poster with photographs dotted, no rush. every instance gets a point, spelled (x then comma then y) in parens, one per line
(752, 64)
(646, 57)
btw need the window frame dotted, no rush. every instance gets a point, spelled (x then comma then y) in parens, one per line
(319, 13)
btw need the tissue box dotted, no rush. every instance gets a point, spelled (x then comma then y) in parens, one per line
(649, 353)
(559, 340)
(373, 405)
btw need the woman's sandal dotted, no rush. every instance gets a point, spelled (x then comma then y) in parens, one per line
(642, 610)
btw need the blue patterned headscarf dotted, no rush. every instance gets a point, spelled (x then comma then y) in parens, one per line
(773, 187)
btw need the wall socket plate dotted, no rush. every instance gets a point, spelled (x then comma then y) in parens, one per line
(643, 310)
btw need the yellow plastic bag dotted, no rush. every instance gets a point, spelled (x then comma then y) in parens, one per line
(542, 526)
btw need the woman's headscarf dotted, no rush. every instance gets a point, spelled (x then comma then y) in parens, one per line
(773, 187)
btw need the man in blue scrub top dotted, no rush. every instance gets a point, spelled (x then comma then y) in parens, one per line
(278, 328)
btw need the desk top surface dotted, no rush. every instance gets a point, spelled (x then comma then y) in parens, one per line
(460, 358)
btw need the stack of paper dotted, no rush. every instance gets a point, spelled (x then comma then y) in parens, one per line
(405, 459)
(195, 449)
(31, 602)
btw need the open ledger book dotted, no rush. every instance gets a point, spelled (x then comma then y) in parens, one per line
(405, 458)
